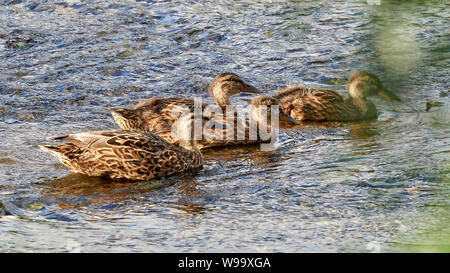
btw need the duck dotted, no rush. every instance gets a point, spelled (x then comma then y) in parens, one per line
(261, 113)
(128, 155)
(158, 115)
(254, 130)
(306, 104)
(230, 130)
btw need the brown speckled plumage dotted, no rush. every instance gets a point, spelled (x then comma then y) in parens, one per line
(269, 102)
(155, 115)
(158, 115)
(127, 155)
(306, 104)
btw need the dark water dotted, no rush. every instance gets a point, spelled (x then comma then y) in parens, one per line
(368, 186)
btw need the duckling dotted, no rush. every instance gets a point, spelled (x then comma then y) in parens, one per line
(128, 155)
(306, 104)
(158, 115)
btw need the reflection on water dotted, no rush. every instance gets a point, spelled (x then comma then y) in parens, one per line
(76, 191)
(327, 187)
(79, 190)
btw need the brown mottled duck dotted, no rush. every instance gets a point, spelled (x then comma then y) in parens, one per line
(306, 104)
(128, 155)
(260, 113)
(157, 114)
(269, 102)
(226, 130)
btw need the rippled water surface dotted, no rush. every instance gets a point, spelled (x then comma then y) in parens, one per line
(379, 185)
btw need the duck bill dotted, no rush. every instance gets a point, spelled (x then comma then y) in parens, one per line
(388, 95)
(251, 89)
(284, 117)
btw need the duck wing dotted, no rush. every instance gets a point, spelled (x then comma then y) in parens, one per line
(119, 154)
(315, 104)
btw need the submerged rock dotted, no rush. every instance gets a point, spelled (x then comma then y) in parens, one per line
(431, 104)
(3, 111)
(19, 39)
(36, 205)
(3, 211)
(16, 42)
(444, 93)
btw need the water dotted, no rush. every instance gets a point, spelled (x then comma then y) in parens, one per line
(366, 186)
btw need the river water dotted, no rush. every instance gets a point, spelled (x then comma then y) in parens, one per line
(380, 185)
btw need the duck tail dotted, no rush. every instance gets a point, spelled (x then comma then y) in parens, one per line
(49, 148)
(61, 138)
(55, 151)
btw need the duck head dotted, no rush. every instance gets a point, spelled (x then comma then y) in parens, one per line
(363, 84)
(261, 102)
(125, 118)
(226, 85)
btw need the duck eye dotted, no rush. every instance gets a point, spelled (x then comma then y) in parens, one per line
(236, 81)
